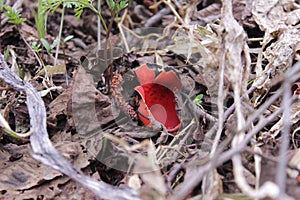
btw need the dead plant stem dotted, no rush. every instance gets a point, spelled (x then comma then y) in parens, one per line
(108, 71)
(168, 3)
(120, 26)
(59, 35)
(220, 107)
(281, 167)
(34, 53)
(99, 26)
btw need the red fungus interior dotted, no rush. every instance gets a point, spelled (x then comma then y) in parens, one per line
(158, 98)
(161, 103)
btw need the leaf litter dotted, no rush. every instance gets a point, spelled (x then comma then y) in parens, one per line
(219, 52)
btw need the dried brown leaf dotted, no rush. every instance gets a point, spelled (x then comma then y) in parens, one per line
(91, 109)
(57, 107)
(24, 173)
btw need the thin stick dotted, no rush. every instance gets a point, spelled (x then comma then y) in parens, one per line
(281, 172)
(34, 53)
(59, 35)
(99, 26)
(168, 3)
(157, 17)
(220, 107)
(120, 26)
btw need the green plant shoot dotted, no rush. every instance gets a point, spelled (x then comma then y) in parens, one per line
(36, 47)
(47, 46)
(13, 15)
(198, 99)
(117, 5)
(40, 19)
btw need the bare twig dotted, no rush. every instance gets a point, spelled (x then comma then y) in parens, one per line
(34, 53)
(99, 27)
(281, 172)
(157, 17)
(234, 33)
(59, 34)
(220, 107)
(168, 3)
(161, 154)
(230, 110)
(120, 26)
(198, 111)
(273, 159)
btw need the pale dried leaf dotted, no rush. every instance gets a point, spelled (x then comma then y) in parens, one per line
(269, 15)
(51, 70)
(134, 182)
(151, 174)
(295, 161)
(280, 55)
(46, 91)
(213, 185)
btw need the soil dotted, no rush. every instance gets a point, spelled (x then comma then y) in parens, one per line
(231, 60)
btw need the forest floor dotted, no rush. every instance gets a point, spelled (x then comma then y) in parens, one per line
(212, 115)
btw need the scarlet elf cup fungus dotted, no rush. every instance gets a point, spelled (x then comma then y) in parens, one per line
(157, 97)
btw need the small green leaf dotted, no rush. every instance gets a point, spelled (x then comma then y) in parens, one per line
(111, 4)
(1, 5)
(78, 11)
(69, 4)
(123, 4)
(54, 44)
(250, 82)
(198, 99)
(13, 15)
(36, 47)
(45, 44)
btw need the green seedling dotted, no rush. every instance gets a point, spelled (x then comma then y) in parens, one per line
(116, 6)
(36, 47)
(40, 18)
(14, 16)
(198, 99)
(78, 5)
(48, 46)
